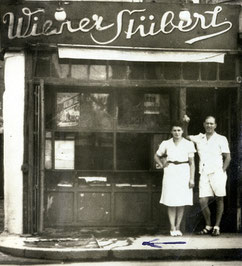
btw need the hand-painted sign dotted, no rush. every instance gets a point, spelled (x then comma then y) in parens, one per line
(137, 25)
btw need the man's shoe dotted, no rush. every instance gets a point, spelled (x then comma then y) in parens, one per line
(216, 231)
(205, 231)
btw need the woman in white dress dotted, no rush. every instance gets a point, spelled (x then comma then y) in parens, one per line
(176, 156)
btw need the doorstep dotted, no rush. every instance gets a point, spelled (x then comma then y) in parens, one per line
(142, 247)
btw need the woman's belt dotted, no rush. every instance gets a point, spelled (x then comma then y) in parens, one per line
(177, 162)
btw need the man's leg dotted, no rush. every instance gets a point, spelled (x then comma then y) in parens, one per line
(219, 214)
(205, 210)
(219, 210)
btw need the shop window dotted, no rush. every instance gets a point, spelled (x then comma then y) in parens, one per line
(84, 110)
(172, 71)
(153, 71)
(98, 72)
(227, 70)
(148, 111)
(209, 71)
(59, 67)
(133, 151)
(190, 71)
(136, 71)
(79, 72)
(117, 71)
(94, 151)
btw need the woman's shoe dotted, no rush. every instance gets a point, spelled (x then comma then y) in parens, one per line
(173, 233)
(178, 233)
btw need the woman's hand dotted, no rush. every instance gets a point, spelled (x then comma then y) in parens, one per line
(191, 184)
(159, 166)
(164, 162)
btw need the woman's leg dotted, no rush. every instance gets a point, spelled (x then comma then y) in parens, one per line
(179, 216)
(172, 217)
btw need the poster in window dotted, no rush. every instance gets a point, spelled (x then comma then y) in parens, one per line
(151, 103)
(64, 154)
(68, 109)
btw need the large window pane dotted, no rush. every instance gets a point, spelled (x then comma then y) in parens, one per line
(227, 70)
(209, 71)
(84, 110)
(172, 71)
(136, 71)
(133, 151)
(117, 70)
(96, 110)
(148, 111)
(94, 151)
(190, 71)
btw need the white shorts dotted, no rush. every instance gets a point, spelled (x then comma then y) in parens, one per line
(213, 184)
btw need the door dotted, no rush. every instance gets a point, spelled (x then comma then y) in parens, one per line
(33, 168)
(221, 103)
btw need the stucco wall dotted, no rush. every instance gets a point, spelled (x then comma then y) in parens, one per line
(13, 116)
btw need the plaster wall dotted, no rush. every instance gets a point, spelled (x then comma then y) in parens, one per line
(13, 117)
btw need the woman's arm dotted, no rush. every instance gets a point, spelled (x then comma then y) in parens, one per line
(192, 172)
(158, 160)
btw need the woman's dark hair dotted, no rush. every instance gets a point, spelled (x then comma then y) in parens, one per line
(177, 123)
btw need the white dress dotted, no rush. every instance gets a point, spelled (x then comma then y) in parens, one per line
(175, 185)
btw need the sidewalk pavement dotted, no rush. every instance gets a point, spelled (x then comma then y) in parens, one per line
(142, 247)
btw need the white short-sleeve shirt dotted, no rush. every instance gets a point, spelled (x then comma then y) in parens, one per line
(211, 151)
(181, 152)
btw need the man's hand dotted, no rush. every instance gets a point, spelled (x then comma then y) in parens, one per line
(186, 119)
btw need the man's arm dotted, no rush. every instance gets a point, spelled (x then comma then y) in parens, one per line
(226, 162)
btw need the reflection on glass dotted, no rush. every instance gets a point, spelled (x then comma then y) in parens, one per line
(133, 151)
(68, 109)
(84, 110)
(96, 110)
(143, 111)
(79, 72)
(98, 72)
(94, 151)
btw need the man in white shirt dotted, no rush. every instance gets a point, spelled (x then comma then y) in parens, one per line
(214, 155)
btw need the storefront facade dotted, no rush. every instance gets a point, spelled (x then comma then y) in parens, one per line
(91, 107)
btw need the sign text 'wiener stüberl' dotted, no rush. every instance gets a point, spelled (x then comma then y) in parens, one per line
(124, 25)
